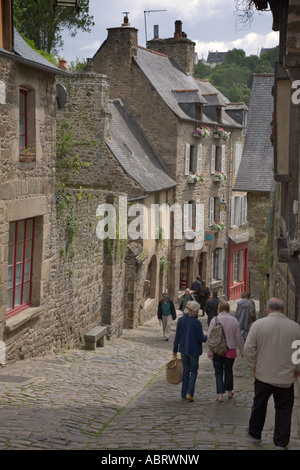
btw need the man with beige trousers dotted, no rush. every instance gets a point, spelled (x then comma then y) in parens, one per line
(270, 351)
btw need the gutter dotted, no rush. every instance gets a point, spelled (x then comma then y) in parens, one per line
(22, 60)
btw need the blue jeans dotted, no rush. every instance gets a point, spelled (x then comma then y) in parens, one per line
(223, 372)
(190, 371)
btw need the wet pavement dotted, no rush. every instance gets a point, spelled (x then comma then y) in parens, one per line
(117, 398)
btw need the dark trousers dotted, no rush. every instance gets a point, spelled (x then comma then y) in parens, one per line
(224, 373)
(284, 401)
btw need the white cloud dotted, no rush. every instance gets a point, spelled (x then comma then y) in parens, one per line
(94, 46)
(251, 43)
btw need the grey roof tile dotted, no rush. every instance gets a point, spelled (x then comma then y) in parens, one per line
(134, 153)
(26, 52)
(255, 171)
(169, 80)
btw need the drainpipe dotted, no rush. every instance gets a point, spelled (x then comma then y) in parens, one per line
(228, 217)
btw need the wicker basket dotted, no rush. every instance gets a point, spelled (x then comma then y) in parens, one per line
(174, 371)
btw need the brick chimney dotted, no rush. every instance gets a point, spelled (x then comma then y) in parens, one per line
(179, 47)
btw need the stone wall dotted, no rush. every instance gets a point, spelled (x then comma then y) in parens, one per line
(260, 254)
(27, 191)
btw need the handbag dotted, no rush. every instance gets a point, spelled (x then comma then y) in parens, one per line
(174, 371)
(217, 340)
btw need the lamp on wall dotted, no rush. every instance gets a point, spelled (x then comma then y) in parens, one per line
(66, 3)
(223, 204)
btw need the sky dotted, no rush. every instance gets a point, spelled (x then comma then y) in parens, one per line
(211, 24)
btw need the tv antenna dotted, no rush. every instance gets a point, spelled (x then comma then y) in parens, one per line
(145, 19)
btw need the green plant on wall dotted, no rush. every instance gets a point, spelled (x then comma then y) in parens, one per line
(164, 264)
(68, 161)
(67, 156)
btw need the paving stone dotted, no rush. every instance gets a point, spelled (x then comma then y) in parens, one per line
(117, 398)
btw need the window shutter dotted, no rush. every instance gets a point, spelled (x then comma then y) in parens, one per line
(187, 159)
(244, 210)
(211, 211)
(213, 159)
(232, 218)
(238, 157)
(241, 266)
(220, 264)
(212, 265)
(237, 211)
(223, 166)
(185, 216)
(199, 158)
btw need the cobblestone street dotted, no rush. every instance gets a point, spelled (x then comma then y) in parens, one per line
(117, 398)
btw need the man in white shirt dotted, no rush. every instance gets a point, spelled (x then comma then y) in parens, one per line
(269, 352)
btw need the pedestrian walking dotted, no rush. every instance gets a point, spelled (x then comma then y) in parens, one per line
(223, 365)
(268, 350)
(188, 339)
(197, 289)
(211, 307)
(187, 296)
(204, 296)
(242, 314)
(252, 309)
(166, 313)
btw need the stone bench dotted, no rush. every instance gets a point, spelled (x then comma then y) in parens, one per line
(95, 337)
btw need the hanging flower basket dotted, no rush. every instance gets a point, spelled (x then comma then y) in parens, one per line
(218, 177)
(218, 227)
(203, 131)
(219, 133)
(196, 178)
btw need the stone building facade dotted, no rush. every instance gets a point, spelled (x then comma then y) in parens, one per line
(285, 272)
(157, 87)
(255, 176)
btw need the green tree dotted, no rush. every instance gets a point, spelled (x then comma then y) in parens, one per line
(202, 70)
(236, 56)
(38, 21)
(239, 92)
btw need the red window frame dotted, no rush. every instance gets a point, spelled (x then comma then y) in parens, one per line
(20, 247)
(23, 96)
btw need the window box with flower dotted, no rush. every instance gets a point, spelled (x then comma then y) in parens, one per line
(218, 226)
(218, 177)
(196, 178)
(26, 155)
(219, 133)
(202, 131)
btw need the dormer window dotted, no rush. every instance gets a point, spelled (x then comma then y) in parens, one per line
(198, 112)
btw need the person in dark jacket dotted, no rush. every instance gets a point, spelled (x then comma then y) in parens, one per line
(211, 307)
(242, 314)
(204, 296)
(197, 289)
(189, 338)
(166, 312)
